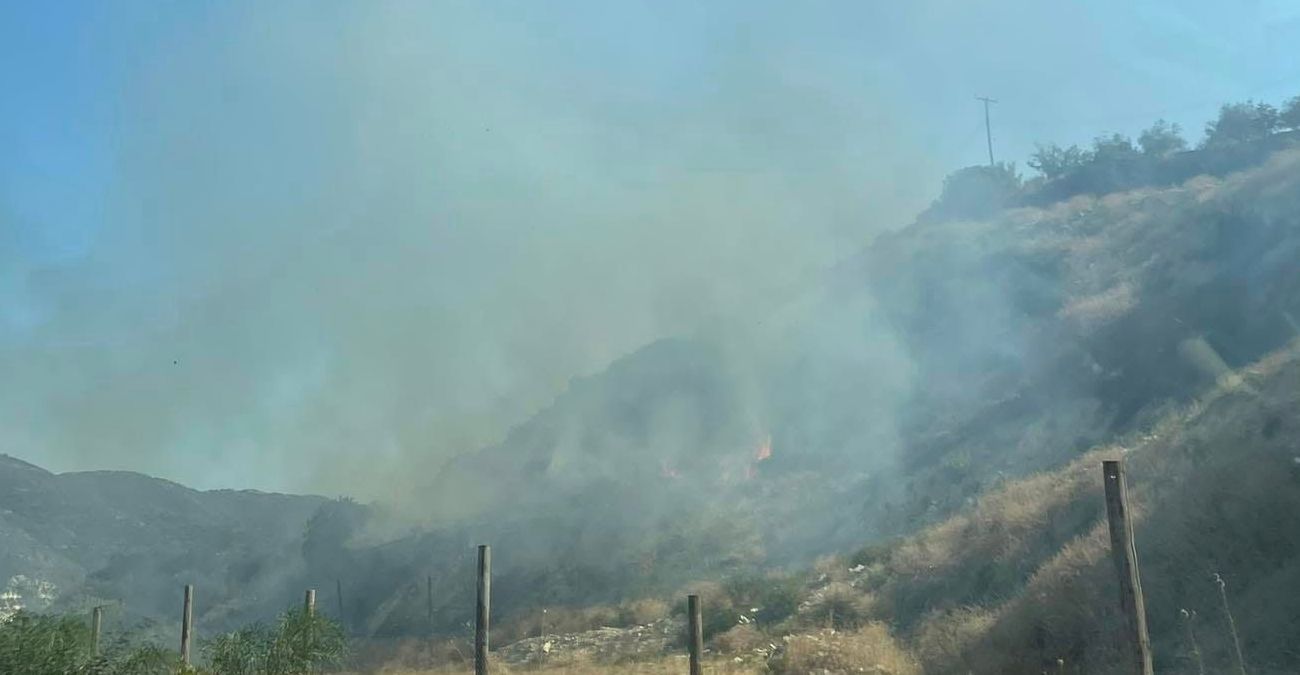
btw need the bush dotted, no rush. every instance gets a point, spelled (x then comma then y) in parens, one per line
(766, 599)
(718, 610)
(1053, 161)
(944, 639)
(641, 612)
(738, 639)
(300, 643)
(1241, 123)
(870, 649)
(838, 606)
(146, 660)
(33, 644)
(1162, 139)
(1290, 115)
(873, 554)
(976, 192)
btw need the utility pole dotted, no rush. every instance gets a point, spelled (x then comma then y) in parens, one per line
(988, 129)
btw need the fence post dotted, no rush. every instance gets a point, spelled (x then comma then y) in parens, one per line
(482, 613)
(696, 637)
(309, 603)
(1124, 554)
(96, 618)
(187, 625)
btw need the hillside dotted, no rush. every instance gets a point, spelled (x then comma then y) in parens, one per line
(72, 540)
(939, 362)
(903, 397)
(1023, 578)
(1154, 324)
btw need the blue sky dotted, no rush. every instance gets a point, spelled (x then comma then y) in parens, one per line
(283, 245)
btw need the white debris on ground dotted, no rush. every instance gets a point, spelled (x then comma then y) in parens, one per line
(600, 645)
(23, 592)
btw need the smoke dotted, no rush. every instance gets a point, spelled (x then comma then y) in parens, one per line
(333, 247)
(327, 247)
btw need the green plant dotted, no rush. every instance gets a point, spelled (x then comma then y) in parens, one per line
(1162, 139)
(718, 612)
(1053, 161)
(1289, 116)
(838, 606)
(241, 652)
(766, 598)
(34, 644)
(1241, 122)
(144, 660)
(301, 642)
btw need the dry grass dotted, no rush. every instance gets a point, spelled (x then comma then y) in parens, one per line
(837, 606)
(666, 666)
(742, 639)
(1213, 485)
(870, 649)
(944, 638)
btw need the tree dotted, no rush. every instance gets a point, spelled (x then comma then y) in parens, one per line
(1053, 161)
(1113, 148)
(1162, 139)
(1241, 123)
(976, 192)
(1290, 116)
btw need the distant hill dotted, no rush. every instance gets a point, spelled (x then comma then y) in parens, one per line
(133, 541)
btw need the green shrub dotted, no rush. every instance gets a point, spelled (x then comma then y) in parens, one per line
(838, 606)
(33, 644)
(765, 598)
(299, 643)
(718, 612)
(144, 660)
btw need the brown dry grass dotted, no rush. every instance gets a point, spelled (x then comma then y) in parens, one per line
(674, 665)
(1062, 613)
(870, 649)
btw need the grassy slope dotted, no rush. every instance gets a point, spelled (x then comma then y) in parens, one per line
(1163, 287)
(1157, 293)
(1021, 582)
(1022, 579)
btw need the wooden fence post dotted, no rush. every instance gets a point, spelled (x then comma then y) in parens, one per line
(482, 613)
(96, 619)
(309, 603)
(696, 637)
(187, 625)
(1124, 554)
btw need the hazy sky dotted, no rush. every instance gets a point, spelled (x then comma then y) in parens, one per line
(293, 245)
